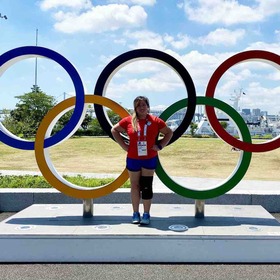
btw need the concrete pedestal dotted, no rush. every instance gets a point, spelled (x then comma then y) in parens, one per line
(59, 233)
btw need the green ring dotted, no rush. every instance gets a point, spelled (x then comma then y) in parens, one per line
(240, 169)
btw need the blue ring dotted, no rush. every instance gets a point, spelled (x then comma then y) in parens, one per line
(79, 89)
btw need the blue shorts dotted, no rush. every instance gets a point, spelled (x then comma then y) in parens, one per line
(136, 164)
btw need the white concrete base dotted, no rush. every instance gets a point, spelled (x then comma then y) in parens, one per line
(59, 233)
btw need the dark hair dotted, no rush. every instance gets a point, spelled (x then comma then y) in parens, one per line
(140, 98)
(135, 104)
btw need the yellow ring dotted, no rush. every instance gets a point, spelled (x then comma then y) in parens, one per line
(46, 167)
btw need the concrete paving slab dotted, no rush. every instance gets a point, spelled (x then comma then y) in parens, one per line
(59, 233)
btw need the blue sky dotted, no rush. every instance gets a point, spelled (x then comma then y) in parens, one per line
(200, 34)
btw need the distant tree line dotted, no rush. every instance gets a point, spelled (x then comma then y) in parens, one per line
(31, 108)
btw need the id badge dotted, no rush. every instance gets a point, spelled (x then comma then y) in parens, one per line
(142, 148)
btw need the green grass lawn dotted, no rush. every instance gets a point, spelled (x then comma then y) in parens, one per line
(189, 157)
(34, 181)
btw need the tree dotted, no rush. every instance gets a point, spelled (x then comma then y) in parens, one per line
(25, 119)
(63, 120)
(193, 127)
(114, 118)
(96, 129)
(224, 124)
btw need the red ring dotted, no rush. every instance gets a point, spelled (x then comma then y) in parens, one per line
(210, 111)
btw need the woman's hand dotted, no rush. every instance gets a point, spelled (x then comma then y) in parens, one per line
(125, 146)
(156, 148)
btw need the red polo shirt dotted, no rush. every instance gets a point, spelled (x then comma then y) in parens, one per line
(154, 124)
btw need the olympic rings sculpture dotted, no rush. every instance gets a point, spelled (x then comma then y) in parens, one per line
(44, 140)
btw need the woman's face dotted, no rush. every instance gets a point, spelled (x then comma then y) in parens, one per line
(142, 109)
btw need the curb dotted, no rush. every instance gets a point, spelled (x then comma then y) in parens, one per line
(14, 200)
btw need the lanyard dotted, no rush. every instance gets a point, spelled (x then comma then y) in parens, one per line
(145, 130)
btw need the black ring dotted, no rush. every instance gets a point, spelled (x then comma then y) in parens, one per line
(129, 56)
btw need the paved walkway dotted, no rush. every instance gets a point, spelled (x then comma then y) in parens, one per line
(148, 271)
(139, 271)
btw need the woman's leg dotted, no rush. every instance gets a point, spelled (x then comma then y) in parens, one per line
(147, 202)
(135, 189)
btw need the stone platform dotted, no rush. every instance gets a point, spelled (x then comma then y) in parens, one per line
(59, 233)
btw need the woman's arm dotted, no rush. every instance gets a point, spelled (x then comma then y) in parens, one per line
(116, 132)
(167, 132)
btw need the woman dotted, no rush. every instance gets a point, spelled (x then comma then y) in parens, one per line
(142, 150)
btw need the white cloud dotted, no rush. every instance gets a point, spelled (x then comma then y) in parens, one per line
(154, 83)
(201, 66)
(277, 34)
(227, 12)
(142, 66)
(145, 39)
(145, 85)
(272, 47)
(181, 42)
(101, 18)
(222, 36)
(275, 76)
(59, 79)
(180, 5)
(74, 4)
(268, 7)
(148, 39)
(258, 96)
(120, 41)
(135, 2)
